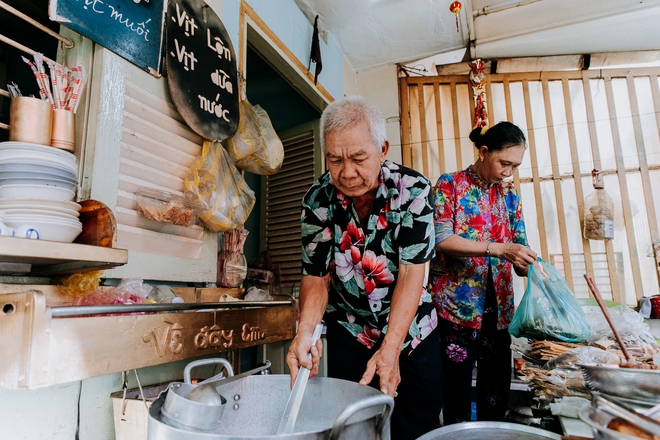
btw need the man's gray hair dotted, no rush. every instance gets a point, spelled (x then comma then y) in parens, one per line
(350, 112)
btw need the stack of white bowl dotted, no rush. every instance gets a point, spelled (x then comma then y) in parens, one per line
(37, 186)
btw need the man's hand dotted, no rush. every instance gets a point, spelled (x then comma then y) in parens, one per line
(313, 299)
(405, 299)
(298, 355)
(385, 364)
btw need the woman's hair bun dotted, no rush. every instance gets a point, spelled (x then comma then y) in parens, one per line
(502, 135)
(477, 137)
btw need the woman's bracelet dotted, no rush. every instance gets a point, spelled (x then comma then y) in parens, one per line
(487, 249)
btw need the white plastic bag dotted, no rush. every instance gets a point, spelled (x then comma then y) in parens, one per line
(225, 197)
(255, 147)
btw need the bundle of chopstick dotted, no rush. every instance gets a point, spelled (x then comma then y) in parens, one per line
(546, 350)
(234, 240)
(63, 87)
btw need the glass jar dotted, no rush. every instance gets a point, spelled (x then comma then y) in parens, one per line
(232, 269)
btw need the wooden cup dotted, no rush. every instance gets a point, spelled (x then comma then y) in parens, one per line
(63, 134)
(30, 120)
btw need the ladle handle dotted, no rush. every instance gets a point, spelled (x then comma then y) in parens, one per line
(360, 405)
(599, 299)
(292, 407)
(200, 362)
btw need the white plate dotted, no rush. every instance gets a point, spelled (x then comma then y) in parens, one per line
(33, 152)
(22, 146)
(36, 192)
(38, 181)
(46, 230)
(37, 175)
(41, 217)
(30, 168)
(56, 162)
(39, 203)
(73, 215)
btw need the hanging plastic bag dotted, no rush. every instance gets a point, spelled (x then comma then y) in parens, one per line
(598, 216)
(548, 309)
(598, 212)
(246, 142)
(255, 147)
(226, 198)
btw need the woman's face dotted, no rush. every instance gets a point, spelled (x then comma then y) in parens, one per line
(500, 164)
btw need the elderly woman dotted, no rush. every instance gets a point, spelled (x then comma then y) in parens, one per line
(480, 238)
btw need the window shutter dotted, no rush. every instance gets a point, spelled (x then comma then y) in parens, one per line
(136, 138)
(284, 193)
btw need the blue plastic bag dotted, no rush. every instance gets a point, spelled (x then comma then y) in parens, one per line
(548, 309)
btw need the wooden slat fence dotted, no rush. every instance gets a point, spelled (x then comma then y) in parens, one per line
(575, 121)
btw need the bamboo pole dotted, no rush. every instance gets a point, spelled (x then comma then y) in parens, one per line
(595, 154)
(575, 161)
(457, 131)
(531, 139)
(655, 90)
(422, 128)
(559, 196)
(438, 128)
(641, 155)
(406, 149)
(509, 117)
(623, 185)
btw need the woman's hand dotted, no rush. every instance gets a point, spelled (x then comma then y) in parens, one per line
(518, 255)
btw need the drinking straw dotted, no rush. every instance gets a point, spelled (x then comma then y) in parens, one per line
(37, 76)
(57, 99)
(39, 61)
(79, 81)
(14, 91)
(64, 88)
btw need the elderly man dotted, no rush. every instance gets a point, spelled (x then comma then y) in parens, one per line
(367, 232)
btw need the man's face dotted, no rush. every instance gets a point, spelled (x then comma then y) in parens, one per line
(353, 160)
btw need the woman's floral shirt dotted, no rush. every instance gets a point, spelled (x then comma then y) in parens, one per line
(474, 209)
(363, 260)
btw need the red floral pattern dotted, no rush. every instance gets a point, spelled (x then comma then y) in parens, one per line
(479, 211)
(363, 259)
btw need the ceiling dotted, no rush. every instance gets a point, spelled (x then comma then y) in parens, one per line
(375, 33)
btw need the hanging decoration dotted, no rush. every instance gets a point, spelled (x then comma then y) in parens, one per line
(455, 8)
(478, 83)
(315, 55)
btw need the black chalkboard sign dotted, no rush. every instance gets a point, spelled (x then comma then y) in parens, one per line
(201, 69)
(131, 29)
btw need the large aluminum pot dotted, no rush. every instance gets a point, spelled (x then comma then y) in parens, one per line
(598, 420)
(490, 431)
(331, 409)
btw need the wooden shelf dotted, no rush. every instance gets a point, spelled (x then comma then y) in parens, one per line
(48, 258)
(41, 350)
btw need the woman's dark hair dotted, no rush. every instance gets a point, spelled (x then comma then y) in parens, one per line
(498, 137)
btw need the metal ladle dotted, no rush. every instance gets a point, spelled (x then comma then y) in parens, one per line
(184, 407)
(206, 391)
(292, 407)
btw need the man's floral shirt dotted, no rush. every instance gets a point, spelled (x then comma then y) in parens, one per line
(474, 209)
(363, 260)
